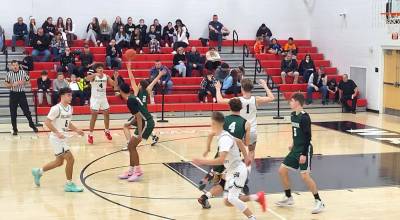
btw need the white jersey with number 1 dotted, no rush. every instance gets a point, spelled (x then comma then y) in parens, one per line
(249, 111)
(99, 87)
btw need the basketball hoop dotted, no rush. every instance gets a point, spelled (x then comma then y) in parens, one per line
(392, 22)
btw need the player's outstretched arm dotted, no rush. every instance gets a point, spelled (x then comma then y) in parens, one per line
(155, 80)
(217, 161)
(132, 79)
(110, 81)
(264, 100)
(220, 99)
(210, 137)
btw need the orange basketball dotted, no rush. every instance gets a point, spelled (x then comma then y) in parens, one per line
(130, 54)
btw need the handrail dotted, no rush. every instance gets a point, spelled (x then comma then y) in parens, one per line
(257, 69)
(234, 40)
(245, 53)
(6, 53)
(163, 91)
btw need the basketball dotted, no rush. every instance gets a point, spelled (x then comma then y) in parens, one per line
(130, 54)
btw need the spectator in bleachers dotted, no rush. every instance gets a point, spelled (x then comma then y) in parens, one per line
(58, 83)
(194, 61)
(290, 46)
(213, 60)
(154, 45)
(179, 62)
(152, 33)
(235, 88)
(207, 87)
(317, 83)
(93, 31)
(217, 31)
(76, 91)
(117, 23)
(122, 39)
(143, 29)
(86, 58)
(222, 72)
(168, 35)
(67, 61)
(84, 86)
(259, 46)
(265, 33)
(113, 55)
(70, 31)
(57, 46)
(105, 33)
(289, 68)
(40, 43)
(157, 26)
(60, 28)
(129, 26)
(32, 28)
(20, 32)
(44, 88)
(333, 89)
(137, 41)
(306, 67)
(181, 35)
(349, 91)
(2, 38)
(275, 47)
(165, 81)
(49, 28)
(118, 81)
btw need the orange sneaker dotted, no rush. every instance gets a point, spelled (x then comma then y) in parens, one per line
(263, 202)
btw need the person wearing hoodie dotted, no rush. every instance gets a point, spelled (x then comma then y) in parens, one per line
(266, 34)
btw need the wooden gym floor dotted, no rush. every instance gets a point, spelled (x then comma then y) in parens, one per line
(359, 175)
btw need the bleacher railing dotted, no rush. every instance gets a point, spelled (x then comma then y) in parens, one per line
(245, 53)
(6, 54)
(257, 69)
(235, 39)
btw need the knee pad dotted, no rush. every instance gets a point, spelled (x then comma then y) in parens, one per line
(235, 201)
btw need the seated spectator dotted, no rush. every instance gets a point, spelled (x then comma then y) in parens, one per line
(152, 33)
(207, 87)
(333, 89)
(213, 60)
(317, 82)
(20, 32)
(157, 26)
(93, 31)
(217, 31)
(142, 29)
(105, 33)
(349, 91)
(49, 28)
(58, 83)
(44, 88)
(40, 43)
(275, 47)
(113, 55)
(115, 27)
(168, 35)
(70, 31)
(76, 91)
(181, 35)
(265, 33)
(86, 58)
(32, 28)
(289, 68)
(122, 39)
(2, 38)
(235, 88)
(129, 27)
(194, 61)
(118, 81)
(67, 61)
(27, 62)
(179, 62)
(154, 45)
(84, 86)
(290, 47)
(60, 28)
(259, 46)
(137, 41)
(57, 46)
(222, 72)
(306, 67)
(165, 83)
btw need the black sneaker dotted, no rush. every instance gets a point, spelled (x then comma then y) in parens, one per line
(15, 133)
(203, 200)
(205, 181)
(155, 140)
(35, 129)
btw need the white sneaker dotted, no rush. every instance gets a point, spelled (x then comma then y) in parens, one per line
(285, 201)
(125, 148)
(318, 207)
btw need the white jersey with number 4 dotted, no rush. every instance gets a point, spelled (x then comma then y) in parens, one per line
(249, 111)
(60, 117)
(99, 87)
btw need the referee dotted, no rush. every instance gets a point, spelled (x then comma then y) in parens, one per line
(15, 80)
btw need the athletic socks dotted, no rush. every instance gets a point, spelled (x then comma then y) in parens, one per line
(316, 197)
(288, 193)
(208, 195)
(106, 130)
(131, 168)
(41, 171)
(251, 217)
(69, 182)
(137, 169)
(253, 197)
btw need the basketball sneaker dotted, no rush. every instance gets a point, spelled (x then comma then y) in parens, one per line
(90, 139)
(261, 199)
(36, 176)
(203, 201)
(154, 140)
(285, 201)
(108, 135)
(135, 176)
(125, 175)
(206, 180)
(318, 207)
(71, 187)
(125, 147)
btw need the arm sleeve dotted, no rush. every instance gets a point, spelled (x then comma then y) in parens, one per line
(225, 143)
(54, 112)
(305, 126)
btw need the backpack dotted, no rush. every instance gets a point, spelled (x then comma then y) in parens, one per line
(27, 63)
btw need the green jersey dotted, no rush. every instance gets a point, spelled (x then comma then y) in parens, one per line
(136, 105)
(142, 95)
(235, 125)
(301, 127)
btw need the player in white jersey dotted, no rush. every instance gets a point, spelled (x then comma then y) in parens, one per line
(250, 104)
(235, 172)
(59, 122)
(98, 99)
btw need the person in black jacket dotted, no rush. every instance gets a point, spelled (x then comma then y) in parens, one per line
(194, 61)
(207, 87)
(349, 92)
(158, 26)
(137, 41)
(143, 29)
(289, 68)
(152, 32)
(113, 55)
(67, 61)
(180, 62)
(93, 31)
(86, 58)
(40, 43)
(306, 67)
(264, 32)
(168, 35)
(129, 27)
(49, 28)
(20, 32)
(44, 84)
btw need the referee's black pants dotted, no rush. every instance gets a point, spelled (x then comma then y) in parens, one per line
(19, 98)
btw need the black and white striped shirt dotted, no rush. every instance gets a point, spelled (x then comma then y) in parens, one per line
(13, 77)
